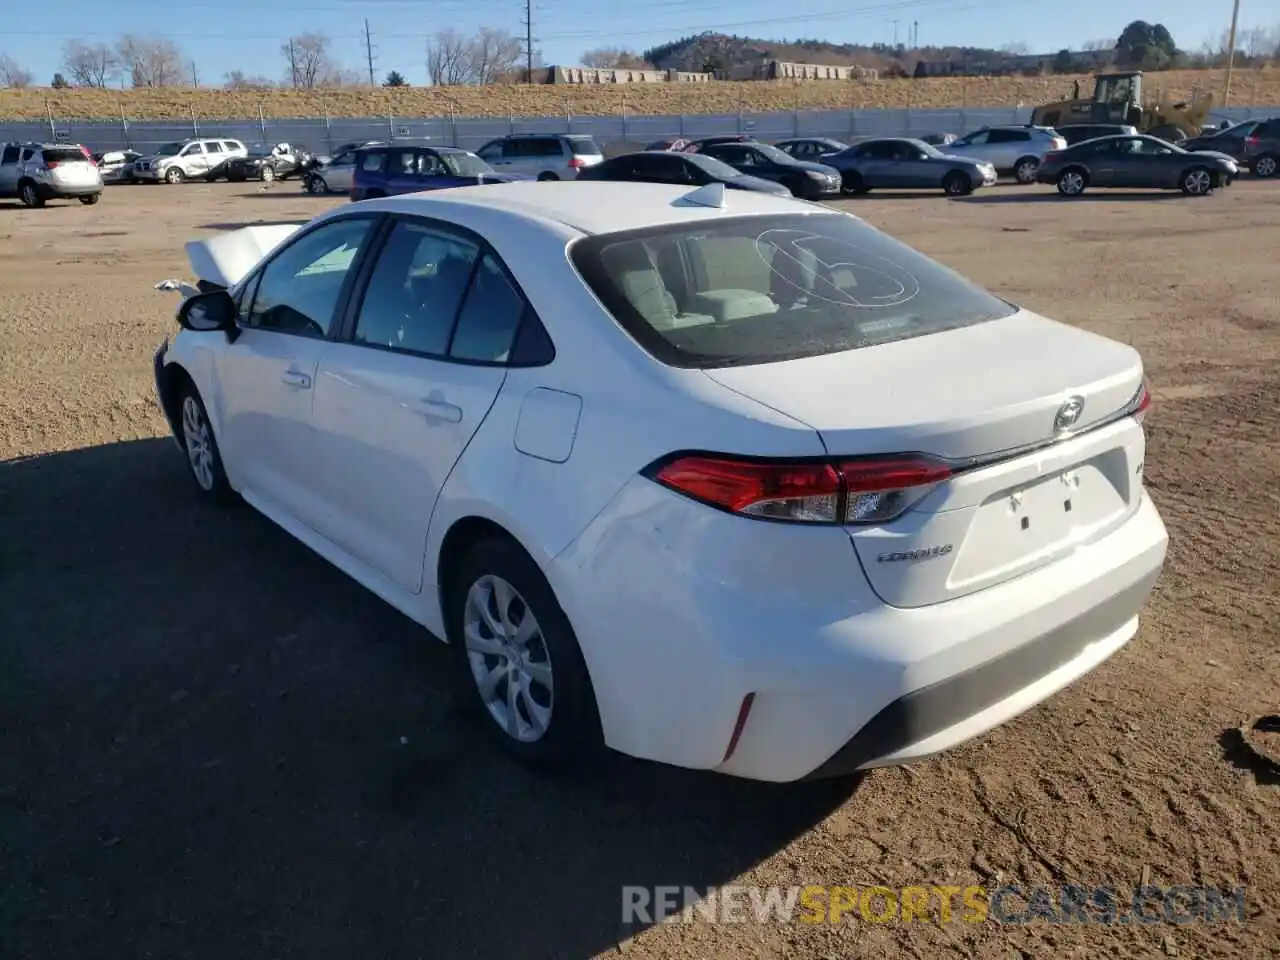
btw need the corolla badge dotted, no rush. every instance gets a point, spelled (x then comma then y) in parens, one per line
(1068, 414)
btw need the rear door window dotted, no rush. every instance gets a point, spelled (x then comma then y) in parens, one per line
(748, 290)
(1008, 136)
(10, 155)
(62, 155)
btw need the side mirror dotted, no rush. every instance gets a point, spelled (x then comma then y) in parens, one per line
(207, 312)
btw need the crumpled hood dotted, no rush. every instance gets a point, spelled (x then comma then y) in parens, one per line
(227, 258)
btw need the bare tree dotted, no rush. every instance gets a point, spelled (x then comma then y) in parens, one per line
(616, 58)
(151, 61)
(90, 64)
(495, 54)
(449, 58)
(1097, 46)
(309, 63)
(1016, 49)
(12, 74)
(238, 80)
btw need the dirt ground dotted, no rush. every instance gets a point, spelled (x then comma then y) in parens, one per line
(216, 745)
(1249, 87)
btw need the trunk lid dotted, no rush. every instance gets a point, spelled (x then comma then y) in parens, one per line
(987, 399)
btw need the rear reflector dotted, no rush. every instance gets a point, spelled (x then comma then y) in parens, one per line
(1142, 404)
(870, 490)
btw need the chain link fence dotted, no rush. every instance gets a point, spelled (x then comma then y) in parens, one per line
(615, 134)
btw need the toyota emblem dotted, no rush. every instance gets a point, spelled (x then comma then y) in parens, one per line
(1068, 414)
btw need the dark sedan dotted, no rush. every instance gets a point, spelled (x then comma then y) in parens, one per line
(700, 144)
(1135, 162)
(694, 169)
(906, 164)
(811, 148)
(808, 181)
(267, 162)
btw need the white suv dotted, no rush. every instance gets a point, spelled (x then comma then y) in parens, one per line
(38, 172)
(1016, 150)
(546, 156)
(188, 160)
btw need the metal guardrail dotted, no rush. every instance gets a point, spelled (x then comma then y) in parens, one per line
(613, 133)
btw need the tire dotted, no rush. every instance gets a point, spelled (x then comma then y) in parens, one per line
(1072, 182)
(547, 175)
(267, 174)
(174, 175)
(1266, 166)
(554, 721)
(1196, 182)
(957, 184)
(852, 185)
(204, 459)
(30, 196)
(90, 200)
(317, 186)
(1024, 171)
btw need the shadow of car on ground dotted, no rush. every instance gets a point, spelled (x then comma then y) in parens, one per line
(218, 746)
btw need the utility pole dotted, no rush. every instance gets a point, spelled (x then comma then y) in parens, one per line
(195, 78)
(293, 64)
(368, 52)
(1231, 52)
(528, 41)
(915, 34)
(895, 33)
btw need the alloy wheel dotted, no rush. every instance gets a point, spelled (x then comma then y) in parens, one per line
(1198, 182)
(509, 659)
(195, 434)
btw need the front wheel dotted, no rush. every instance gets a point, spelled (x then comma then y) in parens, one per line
(852, 184)
(174, 175)
(1197, 182)
(90, 200)
(30, 196)
(957, 184)
(203, 457)
(1024, 171)
(521, 657)
(267, 175)
(317, 185)
(1072, 183)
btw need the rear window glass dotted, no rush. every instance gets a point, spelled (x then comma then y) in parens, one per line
(62, 154)
(584, 147)
(752, 290)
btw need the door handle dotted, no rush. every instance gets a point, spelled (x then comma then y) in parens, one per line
(295, 378)
(436, 407)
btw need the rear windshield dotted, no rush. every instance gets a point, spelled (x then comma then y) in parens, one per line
(584, 147)
(749, 290)
(62, 154)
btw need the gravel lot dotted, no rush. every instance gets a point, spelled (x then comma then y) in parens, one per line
(215, 745)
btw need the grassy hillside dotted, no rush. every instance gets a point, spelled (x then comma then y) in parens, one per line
(1248, 87)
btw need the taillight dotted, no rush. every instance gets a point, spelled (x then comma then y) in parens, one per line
(50, 164)
(576, 163)
(1141, 404)
(863, 491)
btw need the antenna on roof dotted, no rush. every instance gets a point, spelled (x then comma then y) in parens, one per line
(712, 195)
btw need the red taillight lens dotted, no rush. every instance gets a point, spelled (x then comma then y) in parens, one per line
(1142, 404)
(576, 163)
(857, 491)
(1252, 141)
(50, 164)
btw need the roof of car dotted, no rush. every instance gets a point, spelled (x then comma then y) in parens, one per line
(599, 206)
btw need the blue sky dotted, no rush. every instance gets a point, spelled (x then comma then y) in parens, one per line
(222, 35)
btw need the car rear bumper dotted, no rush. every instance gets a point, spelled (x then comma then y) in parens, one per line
(691, 620)
(57, 191)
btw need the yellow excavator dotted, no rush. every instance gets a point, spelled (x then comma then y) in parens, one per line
(1117, 98)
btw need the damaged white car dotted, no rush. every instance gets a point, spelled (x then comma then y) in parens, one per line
(714, 478)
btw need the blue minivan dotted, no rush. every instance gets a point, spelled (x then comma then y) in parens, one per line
(394, 168)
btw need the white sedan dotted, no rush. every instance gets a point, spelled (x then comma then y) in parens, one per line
(723, 480)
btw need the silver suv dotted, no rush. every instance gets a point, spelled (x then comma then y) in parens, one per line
(188, 160)
(1016, 150)
(38, 172)
(546, 156)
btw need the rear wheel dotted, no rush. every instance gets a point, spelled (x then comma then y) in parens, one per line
(90, 200)
(317, 185)
(1024, 171)
(956, 184)
(30, 195)
(521, 657)
(1072, 182)
(547, 175)
(852, 184)
(1197, 182)
(268, 173)
(1266, 165)
(174, 175)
